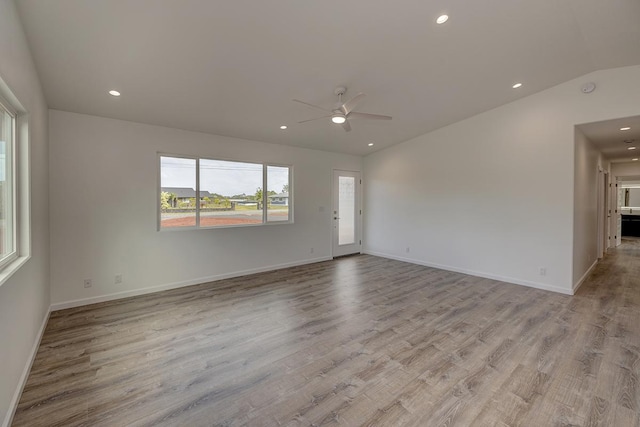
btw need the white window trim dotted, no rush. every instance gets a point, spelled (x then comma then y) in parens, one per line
(21, 184)
(265, 196)
(264, 165)
(10, 152)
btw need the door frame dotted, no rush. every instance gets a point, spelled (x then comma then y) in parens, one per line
(617, 217)
(334, 205)
(603, 205)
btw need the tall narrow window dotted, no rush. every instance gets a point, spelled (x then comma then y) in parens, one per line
(178, 192)
(8, 250)
(278, 194)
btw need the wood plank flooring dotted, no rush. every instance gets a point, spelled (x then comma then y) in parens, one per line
(356, 341)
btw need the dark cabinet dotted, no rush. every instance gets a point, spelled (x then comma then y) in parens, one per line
(631, 225)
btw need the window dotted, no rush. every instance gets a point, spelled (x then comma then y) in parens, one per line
(200, 192)
(278, 193)
(236, 190)
(8, 249)
(178, 194)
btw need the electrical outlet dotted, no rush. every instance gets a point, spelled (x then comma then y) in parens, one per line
(87, 283)
(408, 249)
(543, 271)
(118, 279)
(311, 251)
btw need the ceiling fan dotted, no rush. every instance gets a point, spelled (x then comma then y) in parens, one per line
(341, 112)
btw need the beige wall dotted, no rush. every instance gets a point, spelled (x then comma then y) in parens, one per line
(588, 174)
(493, 195)
(626, 169)
(24, 297)
(104, 184)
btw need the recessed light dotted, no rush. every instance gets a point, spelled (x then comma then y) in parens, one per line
(370, 144)
(517, 85)
(283, 127)
(442, 19)
(631, 148)
(635, 160)
(625, 128)
(114, 93)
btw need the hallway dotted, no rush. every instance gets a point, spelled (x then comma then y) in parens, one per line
(608, 340)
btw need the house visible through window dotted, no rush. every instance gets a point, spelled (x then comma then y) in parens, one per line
(200, 192)
(8, 248)
(278, 193)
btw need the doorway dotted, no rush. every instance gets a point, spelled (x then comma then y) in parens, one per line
(629, 206)
(347, 213)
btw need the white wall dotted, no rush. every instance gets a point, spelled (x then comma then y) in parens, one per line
(587, 166)
(103, 210)
(493, 195)
(24, 297)
(626, 169)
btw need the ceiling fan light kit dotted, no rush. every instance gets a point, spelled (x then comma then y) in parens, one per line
(343, 111)
(338, 118)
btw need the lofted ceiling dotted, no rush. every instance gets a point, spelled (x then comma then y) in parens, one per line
(232, 67)
(613, 142)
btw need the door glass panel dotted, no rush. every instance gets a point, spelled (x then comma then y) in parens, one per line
(346, 210)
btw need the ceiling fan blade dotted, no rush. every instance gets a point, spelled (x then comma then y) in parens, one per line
(317, 118)
(356, 115)
(350, 104)
(311, 105)
(346, 126)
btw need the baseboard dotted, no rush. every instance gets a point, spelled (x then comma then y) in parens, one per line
(579, 283)
(167, 286)
(13, 405)
(475, 273)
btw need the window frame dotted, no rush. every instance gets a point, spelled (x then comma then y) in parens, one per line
(12, 177)
(265, 191)
(265, 183)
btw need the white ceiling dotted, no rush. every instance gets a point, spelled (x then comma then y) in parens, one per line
(611, 141)
(232, 67)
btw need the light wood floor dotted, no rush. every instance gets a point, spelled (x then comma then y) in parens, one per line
(355, 341)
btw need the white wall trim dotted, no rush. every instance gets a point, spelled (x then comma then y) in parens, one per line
(584, 277)
(14, 266)
(181, 284)
(13, 405)
(475, 273)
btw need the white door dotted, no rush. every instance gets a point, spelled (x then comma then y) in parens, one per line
(613, 210)
(603, 213)
(618, 213)
(601, 218)
(346, 213)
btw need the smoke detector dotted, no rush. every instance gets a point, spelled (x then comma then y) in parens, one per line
(588, 87)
